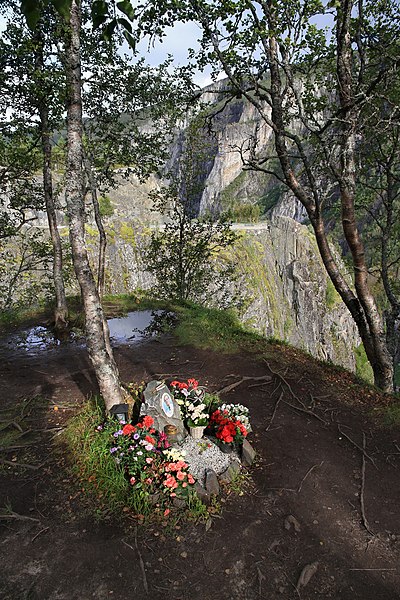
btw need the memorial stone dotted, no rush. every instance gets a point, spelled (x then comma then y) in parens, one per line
(162, 406)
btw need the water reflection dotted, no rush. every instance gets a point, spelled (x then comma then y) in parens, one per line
(130, 329)
(138, 325)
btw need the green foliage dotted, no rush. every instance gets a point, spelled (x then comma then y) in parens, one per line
(127, 233)
(363, 367)
(244, 213)
(95, 467)
(332, 298)
(105, 206)
(182, 256)
(217, 329)
(25, 273)
(391, 415)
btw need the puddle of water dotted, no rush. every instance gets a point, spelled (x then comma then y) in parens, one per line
(130, 329)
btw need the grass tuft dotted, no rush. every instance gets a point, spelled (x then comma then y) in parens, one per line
(95, 467)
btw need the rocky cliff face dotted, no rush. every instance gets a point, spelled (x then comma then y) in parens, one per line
(290, 296)
(283, 285)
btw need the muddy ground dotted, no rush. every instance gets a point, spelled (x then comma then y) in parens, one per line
(313, 496)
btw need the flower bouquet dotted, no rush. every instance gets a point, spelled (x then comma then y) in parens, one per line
(147, 460)
(228, 428)
(193, 410)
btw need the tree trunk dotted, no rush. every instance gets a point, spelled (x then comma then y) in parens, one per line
(98, 346)
(99, 223)
(61, 308)
(374, 341)
(362, 306)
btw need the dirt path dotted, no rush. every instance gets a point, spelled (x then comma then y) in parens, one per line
(302, 505)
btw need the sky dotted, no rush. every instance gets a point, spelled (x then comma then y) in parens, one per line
(177, 41)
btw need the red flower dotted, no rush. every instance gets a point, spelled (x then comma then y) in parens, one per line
(150, 440)
(193, 382)
(148, 421)
(128, 429)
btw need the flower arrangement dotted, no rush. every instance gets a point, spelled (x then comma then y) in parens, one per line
(175, 476)
(189, 396)
(228, 429)
(238, 412)
(149, 463)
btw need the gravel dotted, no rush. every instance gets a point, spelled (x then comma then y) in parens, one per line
(203, 454)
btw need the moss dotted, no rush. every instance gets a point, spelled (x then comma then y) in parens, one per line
(127, 233)
(105, 206)
(396, 377)
(111, 235)
(363, 367)
(250, 258)
(332, 298)
(288, 327)
(91, 232)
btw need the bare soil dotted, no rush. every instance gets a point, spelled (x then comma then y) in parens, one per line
(313, 495)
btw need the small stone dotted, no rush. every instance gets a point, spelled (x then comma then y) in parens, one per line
(212, 485)
(230, 473)
(183, 554)
(248, 454)
(292, 521)
(203, 495)
(178, 502)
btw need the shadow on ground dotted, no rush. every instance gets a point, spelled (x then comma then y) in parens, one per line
(302, 504)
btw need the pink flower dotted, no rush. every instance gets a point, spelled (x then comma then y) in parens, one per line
(180, 476)
(166, 512)
(149, 460)
(132, 480)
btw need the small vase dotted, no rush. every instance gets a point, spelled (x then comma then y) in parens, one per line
(197, 432)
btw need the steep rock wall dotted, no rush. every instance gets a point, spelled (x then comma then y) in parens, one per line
(283, 286)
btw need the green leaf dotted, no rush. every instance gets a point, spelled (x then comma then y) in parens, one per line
(31, 12)
(109, 30)
(130, 39)
(63, 7)
(99, 13)
(125, 24)
(126, 7)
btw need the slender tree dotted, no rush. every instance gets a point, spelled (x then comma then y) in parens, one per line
(310, 87)
(97, 335)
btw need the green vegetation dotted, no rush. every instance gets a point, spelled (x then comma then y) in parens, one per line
(332, 298)
(105, 483)
(271, 198)
(244, 213)
(391, 415)
(211, 328)
(95, 467)
(105, 206)
(128, 234)
(363, 367)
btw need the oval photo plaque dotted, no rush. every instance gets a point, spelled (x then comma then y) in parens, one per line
(167, 405)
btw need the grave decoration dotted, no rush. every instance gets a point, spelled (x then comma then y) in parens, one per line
(166, 470)
(194, 412)
(231, 425)
(160, 404)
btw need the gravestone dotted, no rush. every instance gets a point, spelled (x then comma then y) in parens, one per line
(162, 406)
